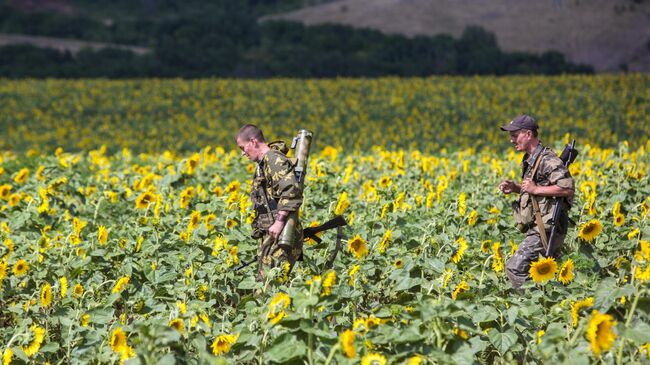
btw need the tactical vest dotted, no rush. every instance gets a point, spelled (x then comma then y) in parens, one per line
(522, 209)
(264, 205)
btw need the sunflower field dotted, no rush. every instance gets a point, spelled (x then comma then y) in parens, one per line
(124, 212)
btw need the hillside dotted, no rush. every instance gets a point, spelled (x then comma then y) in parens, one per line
(608, 34)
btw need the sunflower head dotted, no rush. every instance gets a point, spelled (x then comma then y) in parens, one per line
(565, 276)
(357, 246)
(20, 268)
(600, 332)
(347, 343)
(590, 230)
(177, 324)
(143, 201)
(46, 295)
(543, 270)
(619, 220)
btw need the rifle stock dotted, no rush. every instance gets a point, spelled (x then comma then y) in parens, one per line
(309, 232)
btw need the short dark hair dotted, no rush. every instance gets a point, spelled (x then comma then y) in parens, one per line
(250, 131)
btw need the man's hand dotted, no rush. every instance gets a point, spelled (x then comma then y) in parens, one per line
(508, 186)
(276, 228)
(528, 186)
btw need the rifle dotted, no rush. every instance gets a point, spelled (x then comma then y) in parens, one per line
(567, 156)
(310, 232)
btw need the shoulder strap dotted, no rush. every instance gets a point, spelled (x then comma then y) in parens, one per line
(258, 172)
(536, 210)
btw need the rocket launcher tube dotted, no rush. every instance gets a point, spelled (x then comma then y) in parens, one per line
(300, 144)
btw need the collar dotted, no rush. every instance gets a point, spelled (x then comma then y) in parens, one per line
(530, 159)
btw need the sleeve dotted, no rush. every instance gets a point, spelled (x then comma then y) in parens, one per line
(556, 173)
(285, 188)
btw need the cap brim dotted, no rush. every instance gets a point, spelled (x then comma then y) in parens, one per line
(509, 128)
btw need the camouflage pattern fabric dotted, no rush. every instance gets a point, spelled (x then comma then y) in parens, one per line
(274, 176)
(518, 265)
(271, 254)
(551, 171)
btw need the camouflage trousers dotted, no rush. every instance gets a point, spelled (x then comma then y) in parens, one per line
(273, 254)
(518, 265)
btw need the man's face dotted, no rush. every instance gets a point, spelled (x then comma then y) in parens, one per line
(248, 148)
(520, 139)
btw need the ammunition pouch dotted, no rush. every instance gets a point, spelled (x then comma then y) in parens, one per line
(524, 215)
(263, 219)
(522, 212)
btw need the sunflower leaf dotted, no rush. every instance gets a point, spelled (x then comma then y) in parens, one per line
(502, 340)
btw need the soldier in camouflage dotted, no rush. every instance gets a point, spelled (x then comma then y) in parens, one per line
(275, 194)
(544, 177)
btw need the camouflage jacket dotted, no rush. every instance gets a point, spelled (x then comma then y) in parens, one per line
(551, 171)
(274, 176)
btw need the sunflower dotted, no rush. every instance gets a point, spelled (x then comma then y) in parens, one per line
(177, 324)
(342, 204)
(415, 360)
(118, 340)
(85, 319)
(590, 230)
(460, 288)
(102, 235)
(21, 267)
(385, 182)
(63, 283)
(191, 163)
(328, 282)
(497, 260)
(373, 358)
(462, 206)
(222, 343)
(462, 246)
(619, 220)
(46, 295)
(231, 223)
(565, 275)
(347, 343)
(5, 191)
(577, 306)
(22, 176)
(3, 271)
(543, 270)
(485, 246)
(600, 332)
(78, 290)
(385, 240)
(357, 246)
(121, 284)
(278, 304)
(539, 336)
(143, 201)
(471, 219)
(633, 234)
(6, 356)
(14, 199)
(35, 345)
(399, 263)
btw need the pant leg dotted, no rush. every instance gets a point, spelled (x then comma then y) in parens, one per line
(518, 266)
(270, 254)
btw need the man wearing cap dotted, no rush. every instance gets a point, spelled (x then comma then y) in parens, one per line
(544, 177)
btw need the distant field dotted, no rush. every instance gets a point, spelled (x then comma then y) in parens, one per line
(427, 114)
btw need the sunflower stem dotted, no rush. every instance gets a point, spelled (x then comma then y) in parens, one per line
(330, 356)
